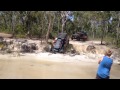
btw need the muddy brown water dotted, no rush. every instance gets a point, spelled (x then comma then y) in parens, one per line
(34, 69)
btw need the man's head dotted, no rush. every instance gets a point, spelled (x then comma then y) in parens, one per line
(108, 52)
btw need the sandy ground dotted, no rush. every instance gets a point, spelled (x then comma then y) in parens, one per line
(47, 66)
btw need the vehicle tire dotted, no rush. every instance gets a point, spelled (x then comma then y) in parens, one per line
(68, 42)
(83, 40)
(72, 38)
(62, 50)
(78, 39)
(53, 51)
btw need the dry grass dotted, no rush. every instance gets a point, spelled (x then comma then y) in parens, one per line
(4, 35)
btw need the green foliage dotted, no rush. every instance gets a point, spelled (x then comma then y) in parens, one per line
(95, 23)
(20, 36)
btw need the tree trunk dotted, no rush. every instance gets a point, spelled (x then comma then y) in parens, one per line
(63, 24)
(5, 22)
(13, 30)
(117, 39)
(13, 24)
(93, 33)
(23, 23)
(102, 38)
(58, 25)
(41, 33)
(103, 32)
(49, 27)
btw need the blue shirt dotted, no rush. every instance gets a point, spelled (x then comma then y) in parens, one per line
(104, 67)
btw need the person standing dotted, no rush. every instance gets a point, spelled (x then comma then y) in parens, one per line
(105, 65)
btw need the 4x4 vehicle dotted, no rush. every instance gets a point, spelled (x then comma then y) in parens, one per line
(82, 35)
(60, 43)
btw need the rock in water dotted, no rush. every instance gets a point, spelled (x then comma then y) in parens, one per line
(47, 48)
(91, 49)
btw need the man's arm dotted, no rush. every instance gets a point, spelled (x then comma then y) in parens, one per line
(100, 60)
